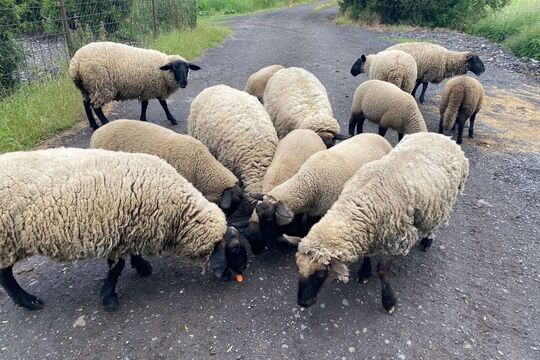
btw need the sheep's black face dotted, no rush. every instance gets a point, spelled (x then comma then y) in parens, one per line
(309, 287)
(358, 66)
(180, 70)
(231, 198)
(476, 65)
(229, 254)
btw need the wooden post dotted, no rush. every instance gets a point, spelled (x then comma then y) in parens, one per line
(67, 33)
(154, 18)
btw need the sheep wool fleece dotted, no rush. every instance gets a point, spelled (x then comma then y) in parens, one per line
(186, 154)
(394, 66)
(111, 71)
(390, 202)
(70, 204)
(237, 131)
(256, 83)
(462, 96)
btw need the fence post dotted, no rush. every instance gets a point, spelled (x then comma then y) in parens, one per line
(154, 18)
(67, 33)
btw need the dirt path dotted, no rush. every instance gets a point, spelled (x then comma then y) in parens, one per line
(474, 295)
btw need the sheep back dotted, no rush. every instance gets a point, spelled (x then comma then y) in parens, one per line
(256, 83)
(110, 71)
(187, 155)
(296, 99)
(237, 131)
(394, 66)
(461, 98)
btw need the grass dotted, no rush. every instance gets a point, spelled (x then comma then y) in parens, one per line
(326, 5)
(516, 26)
(214, 7)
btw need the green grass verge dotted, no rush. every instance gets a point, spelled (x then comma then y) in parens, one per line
(219, 7)
(516, 26)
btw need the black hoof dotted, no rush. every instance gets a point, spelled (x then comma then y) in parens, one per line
(143, 267)
(363, 278)
(95, 127)
(30, 302)
(425, 243)
(173, 122)
(471, 136)
(142, 119)
(110, 302)
(389, 303)
(459, 142)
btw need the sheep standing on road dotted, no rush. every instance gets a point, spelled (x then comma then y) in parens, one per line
(395, 66)
(436, 63)
(383, 209)
(461, 100)
(107, 71)
(74, 204)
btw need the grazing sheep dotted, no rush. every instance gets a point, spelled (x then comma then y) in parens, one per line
(291, 153)
(186, 154)
(296, 99)
(388, 106)
(73, 204)
(318, 183)
(382, 210)
(107, 71)
(237, 131)
(461, 100)
(435, 63)
(257, 82)
(394, 66)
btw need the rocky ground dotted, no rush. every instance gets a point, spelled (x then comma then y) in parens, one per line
(473, 295)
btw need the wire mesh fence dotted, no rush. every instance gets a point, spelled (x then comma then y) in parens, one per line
(37, 37)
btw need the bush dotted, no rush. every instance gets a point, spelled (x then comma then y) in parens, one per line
(436, 13)
(10, 52)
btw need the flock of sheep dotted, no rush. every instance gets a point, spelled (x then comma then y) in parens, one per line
(143, 189)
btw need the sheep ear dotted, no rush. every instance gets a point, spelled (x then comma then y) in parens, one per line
(257, 196)
(340, 269)
(167, 67)
(218, 260)
(226, 200)
(194, 67)
(293, 240)
(363, 58)
(341, 137)
(284, 216)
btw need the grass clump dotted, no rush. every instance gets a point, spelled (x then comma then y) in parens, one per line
(516, 26)
(213, 7)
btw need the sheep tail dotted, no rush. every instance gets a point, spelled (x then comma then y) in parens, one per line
(450, 106)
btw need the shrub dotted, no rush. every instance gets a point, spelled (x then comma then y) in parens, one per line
(10, 52)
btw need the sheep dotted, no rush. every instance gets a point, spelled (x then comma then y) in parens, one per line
(291, 152)
(107, 71)
(256, 83)
(461, 100)
(237, 131)
(435, 63)
(72, 204)
(296, 99)
(394, 66)
(382, 210)
(318, 183)
(186, 154)
(388, 106)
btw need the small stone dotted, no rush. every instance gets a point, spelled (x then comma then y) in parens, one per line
(345, 302)
(303, 327)
(386, 341)
(284, 346)
(364, 330)
(409, 342)
(352, 349)
(79, 322)
(323, 305)
(401, 357)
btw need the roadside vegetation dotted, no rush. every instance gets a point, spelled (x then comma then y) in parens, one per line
(220, 7)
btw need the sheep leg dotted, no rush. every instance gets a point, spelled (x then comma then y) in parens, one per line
(399, 136)
(424, 88)
(167, 112)
(441, 127)
(425, 243)
(108, 290)
(382, 131)
(142, 266)
(365, 271)
(388, 297)
(460, 125)
(16, 293)
(89, 115)
(144, 105)
(471, 126)
(356, 120)
(101, 116)
(418, 82)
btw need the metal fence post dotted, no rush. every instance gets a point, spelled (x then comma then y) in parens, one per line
(154, 18)
(67, 33)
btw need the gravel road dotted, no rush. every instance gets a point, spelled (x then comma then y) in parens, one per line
(474, 295)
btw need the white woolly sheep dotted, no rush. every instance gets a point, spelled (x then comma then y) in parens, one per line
(382, 210)
(186, 154)
(73, 204)
(318, 183)
(462, 99)
(237, 131)
(291, 153)
(388, 106)
(435, 63)
(107, 71)
(256, 83)
(394, 66)
(296, 99)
